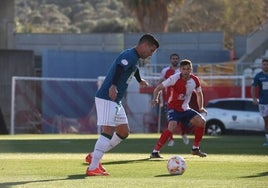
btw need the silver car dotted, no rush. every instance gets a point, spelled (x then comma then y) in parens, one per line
(232, 114)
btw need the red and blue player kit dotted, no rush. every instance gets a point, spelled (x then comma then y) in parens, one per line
(180, 98)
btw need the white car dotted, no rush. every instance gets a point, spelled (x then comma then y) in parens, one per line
(232, 114)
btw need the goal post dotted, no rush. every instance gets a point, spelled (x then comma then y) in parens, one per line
(53, 105)
(236, 81)
(66, 105)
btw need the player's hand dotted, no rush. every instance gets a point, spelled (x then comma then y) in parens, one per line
(154, 102)
(113, 92)
(255, 101)
(143, 83)
(203, 111)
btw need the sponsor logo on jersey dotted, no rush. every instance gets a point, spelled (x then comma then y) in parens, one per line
(124, 61)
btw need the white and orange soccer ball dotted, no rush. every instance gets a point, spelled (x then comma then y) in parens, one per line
(176, 165)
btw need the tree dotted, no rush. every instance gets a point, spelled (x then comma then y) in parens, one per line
(232, 17)
(152, 16)
(197, 16)
(250, 15)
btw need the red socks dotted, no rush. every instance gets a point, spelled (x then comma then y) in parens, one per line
(198, 133)
(163, 139)
(171, 137)
(165, 136)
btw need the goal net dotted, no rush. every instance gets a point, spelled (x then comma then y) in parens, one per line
(53, 105)
(60, 105)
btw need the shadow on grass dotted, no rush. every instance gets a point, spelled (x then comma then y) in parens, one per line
(165, 175)
(132, 161)
(261, 174)
(129, 161)
(70, 177)
(235, 144)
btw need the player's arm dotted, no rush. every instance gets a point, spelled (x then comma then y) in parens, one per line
(113, 89)
(253, 94)
(200, 102)
(253, 90)
(162, 77)
(168, 82)
(161, 80)
(156, 93)
(141, 81)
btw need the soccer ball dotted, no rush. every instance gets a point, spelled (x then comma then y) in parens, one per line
(176, 165)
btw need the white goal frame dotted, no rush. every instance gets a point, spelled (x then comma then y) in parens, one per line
(13, 92)
(153, 80)
(241, 77)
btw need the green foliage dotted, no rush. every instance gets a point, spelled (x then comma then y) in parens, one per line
(58, 161)
(109, 26)
(233, 17)
(84, 16)
(65, 16)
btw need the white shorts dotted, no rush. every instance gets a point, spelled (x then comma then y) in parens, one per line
(110, 113)
(263, 108)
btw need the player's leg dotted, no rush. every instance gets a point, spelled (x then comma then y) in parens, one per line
(121, 133)
(266, 130)
(171, 141)
(199, 124)
(111, 135)
(173, 116)
(121, 128)
(105, 143)
(184, 133)
(163, 139)
(95, 167)
(263, 108)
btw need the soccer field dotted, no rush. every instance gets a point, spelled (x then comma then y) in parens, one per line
(53, 161)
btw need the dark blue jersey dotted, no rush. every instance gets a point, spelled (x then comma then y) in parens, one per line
(129, 60)
(261, 80)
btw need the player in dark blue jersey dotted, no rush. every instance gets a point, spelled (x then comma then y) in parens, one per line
(111, 116)
(261, 81)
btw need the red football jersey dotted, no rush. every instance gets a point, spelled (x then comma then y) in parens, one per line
(181, 91)
(166, 73)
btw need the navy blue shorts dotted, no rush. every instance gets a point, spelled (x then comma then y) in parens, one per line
(182, 117)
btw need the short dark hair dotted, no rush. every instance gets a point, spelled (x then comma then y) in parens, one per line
(185, 62)
(264, 59)
(150, 39)
(174, 54)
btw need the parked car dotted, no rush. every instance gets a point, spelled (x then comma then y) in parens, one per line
(232, 114)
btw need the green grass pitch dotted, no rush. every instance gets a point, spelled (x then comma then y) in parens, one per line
(57, 161)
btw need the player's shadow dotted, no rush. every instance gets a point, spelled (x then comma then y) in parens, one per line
(70, 177)
(129, 161)
(261, 174)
